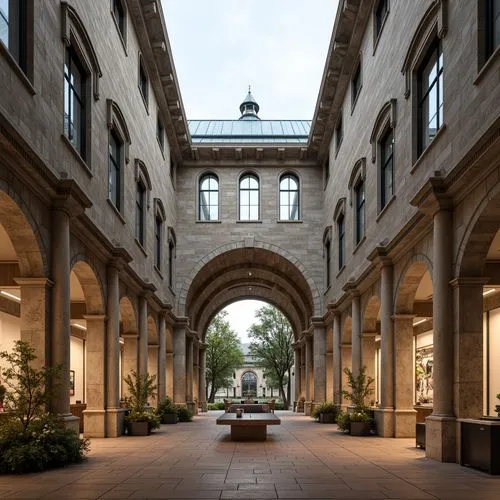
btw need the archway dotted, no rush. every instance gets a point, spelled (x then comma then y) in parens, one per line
(413, 347)
(87, 348)
(153, 346)
(345, 355)
(129, 340)
(254, 273)
(370, 342)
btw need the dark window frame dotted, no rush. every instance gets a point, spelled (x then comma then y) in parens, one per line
(386, 163)
(160, 132)
(290, 212)
(490, 45)
(120, 16)
(143, 82)
(339, 132)
(379, 17)
(435, 53)
(140, 212)
(117, 165)
(158, 241)
(250, 190)
(17, 32)
(360, 205)
(356, 85)
(207, 215)
(341, 241)
(328, 263)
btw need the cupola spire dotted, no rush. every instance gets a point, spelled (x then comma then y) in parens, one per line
(249, 108)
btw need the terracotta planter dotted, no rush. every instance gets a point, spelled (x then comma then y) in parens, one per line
(359, 428)
(326, 418)
(169, 418)
(138, 429)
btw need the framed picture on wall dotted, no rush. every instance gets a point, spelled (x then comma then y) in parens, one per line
(72, 382)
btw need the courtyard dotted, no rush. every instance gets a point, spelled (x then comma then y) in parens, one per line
(300, 459)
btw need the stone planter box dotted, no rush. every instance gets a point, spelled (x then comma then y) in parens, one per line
(326, 418)
(359, 428)
(169, 418)
(138, 429)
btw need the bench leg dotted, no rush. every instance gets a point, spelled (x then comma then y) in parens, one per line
(249, 433)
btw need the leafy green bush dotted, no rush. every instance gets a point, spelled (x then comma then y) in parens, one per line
(360, 385)
(359, 416)
(343, 421)
(325, 407)
(184, 414)
(144, 416)
(279, 406)
(166, 407)
(216, 406)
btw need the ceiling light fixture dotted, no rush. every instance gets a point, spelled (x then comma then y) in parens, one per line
(10, 296)
(491, 290)
(420, 321)
(80, 327)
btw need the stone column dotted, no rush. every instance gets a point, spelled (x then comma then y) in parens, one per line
(319, 345)
(337, 362)
(303, 371)
(35, 316)
(384, 415)
(60, 340)
(180, 362)
(368, 359)
(404, 414)
(202, 380)
(189, 373)
(94, 417)
(162, 359)
(309, 376)
(196, 376)
(345, 353)
(296, 353)
(170, 374)
(130, 359)
(143, 335)
(114, 414)
(356, 333)
(153, 369)
(440, 426)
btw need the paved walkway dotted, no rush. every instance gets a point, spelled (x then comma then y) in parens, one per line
(301, 459)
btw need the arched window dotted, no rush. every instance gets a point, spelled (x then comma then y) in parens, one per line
(249, 384)
(289, 197)
(249, 197)
(208, 204)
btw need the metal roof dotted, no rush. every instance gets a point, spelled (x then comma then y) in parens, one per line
(251, 131)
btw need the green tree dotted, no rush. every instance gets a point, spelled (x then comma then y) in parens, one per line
(271, 346)
(224, 354)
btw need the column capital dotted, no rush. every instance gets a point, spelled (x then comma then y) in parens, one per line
(148, 290)
(130, 335)
(202, 346)
(181, 322)
(369, 335)
(350, 289)
(469, 282)
(433, 196)
(70, 198)
(34, 282)
(153, 346)
(345, 344)
(379, 256)
(402, 317)
(94, 317)
(119, 258)
(317, 321)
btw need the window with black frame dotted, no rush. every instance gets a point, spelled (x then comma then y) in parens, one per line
(328, 269)
(74, 101)
(249, 197)
(430, 96)
(359, 193)
(380, 12)
(119, 13)
(492, 26)
(341, 240)
(158, 241)
(13, 29)
(140, 212)
(208, 204)
(115, 169)
(289, 197)
(386, 168)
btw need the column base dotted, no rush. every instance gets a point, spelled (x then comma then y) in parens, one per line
(404, 423)
(71, 422)
(115, 422)
(440, 438)
(384, 422)
(308, 408)
(203, 406)
(191, 406)
(94, 423)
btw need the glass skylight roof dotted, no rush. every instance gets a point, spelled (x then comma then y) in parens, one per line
(249, 131)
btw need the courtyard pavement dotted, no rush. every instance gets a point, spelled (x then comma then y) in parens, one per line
(300, 459)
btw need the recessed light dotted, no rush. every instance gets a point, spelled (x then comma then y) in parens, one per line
(80, 327)
(420, 321)
(491, 290)
(10, 296)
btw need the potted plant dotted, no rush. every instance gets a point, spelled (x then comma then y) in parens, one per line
(141, 420)
(184, 415)
(167, 411)
(344, 421)
(360, 386)
(325, 413)
(497, 407)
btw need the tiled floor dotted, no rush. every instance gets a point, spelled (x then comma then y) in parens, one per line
(301, 459)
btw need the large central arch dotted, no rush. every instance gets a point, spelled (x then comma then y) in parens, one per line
(250, 272)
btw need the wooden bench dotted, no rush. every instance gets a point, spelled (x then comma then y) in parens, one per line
(250, 426)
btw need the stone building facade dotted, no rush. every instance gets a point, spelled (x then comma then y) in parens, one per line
(112, 259)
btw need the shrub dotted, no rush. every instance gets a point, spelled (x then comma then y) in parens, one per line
(279, 406)
(144, 416)
(343, 421)
(359, 416)
(325, 407)
(166, 407)
(141, 388)
(216, 406)
(360, 388)
(184, 414)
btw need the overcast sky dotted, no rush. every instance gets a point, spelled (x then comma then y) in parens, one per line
(220, 47)
(279, 47)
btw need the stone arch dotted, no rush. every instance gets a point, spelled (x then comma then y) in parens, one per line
(128, 315)
(24, 235)
(315, 298)
(386, 118)
(346, 334)
(370, 314)
(91, 284)
(408, 283)
(478, 236)
(152, 330)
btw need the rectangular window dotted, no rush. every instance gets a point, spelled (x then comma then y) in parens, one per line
(360, 211)
(13, 29)
(158, 231)
(171, 256)
(339, 132)
(74, 101)
(356, 84)
(430, 96)
(341, 233)
(139, 213)
(143, 82)
(160, 132)
(492, 26)
(380, 13)
(328, 263)
(119, 13)
(386, 168)
(115, 159)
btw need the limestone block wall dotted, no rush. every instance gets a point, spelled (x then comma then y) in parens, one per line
(301, 239)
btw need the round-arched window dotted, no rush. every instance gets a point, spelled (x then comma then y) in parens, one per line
(249, 197)
(209, 198)
(289, 197)
(249, 384)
